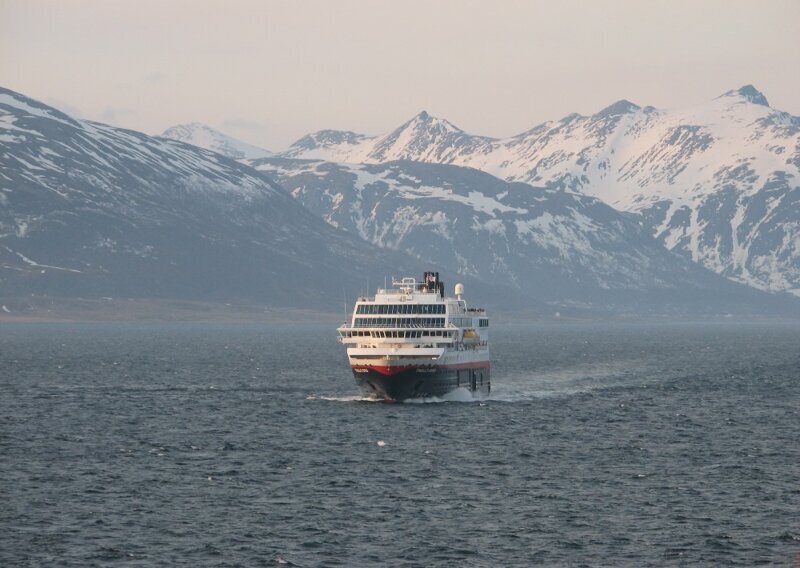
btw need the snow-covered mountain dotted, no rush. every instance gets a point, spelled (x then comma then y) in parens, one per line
(424, 138)
(90, 210)
(204, 136)
(555, 245)
(718, 183)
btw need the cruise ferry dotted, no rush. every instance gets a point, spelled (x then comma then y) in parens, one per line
(411, 341)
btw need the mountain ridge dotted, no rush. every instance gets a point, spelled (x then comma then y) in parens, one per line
(92, 211)
(704, 179)
(562, 247)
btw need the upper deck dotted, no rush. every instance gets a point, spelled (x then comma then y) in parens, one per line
(409, 290)
(414, 315)
(412, 304)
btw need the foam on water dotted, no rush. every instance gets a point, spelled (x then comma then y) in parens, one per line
(570, 380)
(457, 395)
(343, 398)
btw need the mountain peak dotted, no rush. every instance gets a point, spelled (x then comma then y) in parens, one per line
(620, 107)
(328, 137)
(204, 136)
(424, 121)
(186, 128)
(748, 93)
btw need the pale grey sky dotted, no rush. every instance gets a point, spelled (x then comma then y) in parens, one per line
(270, 72)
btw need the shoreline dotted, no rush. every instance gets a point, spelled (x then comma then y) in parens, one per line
(47, 310)
(134, 310)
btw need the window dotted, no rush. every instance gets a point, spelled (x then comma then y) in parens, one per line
(398, 322)
(462, 322)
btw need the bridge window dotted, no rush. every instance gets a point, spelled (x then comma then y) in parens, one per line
(381, 309)
(398, 322)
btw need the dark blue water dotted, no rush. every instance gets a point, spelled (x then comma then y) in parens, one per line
(614, 444)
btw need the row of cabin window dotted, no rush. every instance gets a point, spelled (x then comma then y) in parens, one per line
(484, 322)
(379, 309)
(399, 322)
(403, 334)
(461, 322)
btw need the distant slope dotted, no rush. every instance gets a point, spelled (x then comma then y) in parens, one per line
(718, 183)
(550, 244)
(90, 210)
(204, 136)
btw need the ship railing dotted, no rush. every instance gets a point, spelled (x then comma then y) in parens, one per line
(343, 329)
(405, 286)
(349, 327)
(394, 326)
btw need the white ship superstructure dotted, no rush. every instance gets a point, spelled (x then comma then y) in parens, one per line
(411, 341)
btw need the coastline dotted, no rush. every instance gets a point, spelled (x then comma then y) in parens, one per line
(46, 309)
(40, 309)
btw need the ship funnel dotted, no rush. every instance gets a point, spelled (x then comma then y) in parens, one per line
(459, 291)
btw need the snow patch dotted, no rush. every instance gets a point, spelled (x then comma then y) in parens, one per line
(30, 262)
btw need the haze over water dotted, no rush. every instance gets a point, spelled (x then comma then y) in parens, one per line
(610, 444)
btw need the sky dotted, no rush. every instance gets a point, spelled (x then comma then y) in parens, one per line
(269, 72)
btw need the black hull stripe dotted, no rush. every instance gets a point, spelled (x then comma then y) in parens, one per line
(421, 382)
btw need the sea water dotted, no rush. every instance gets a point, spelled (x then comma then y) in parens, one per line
(220, 445)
